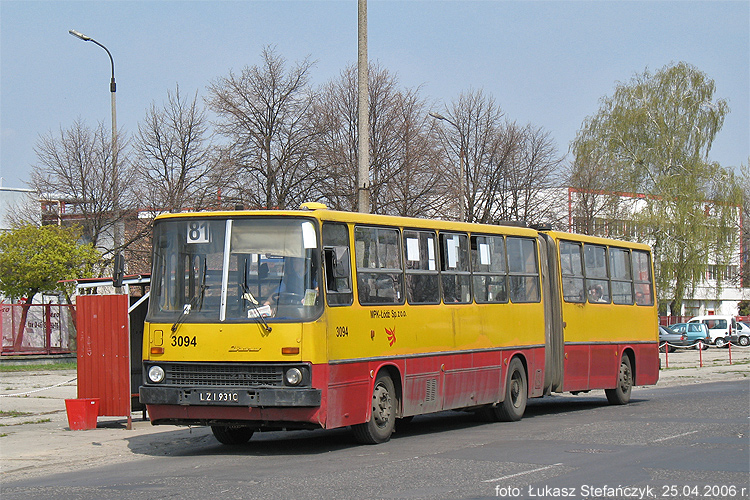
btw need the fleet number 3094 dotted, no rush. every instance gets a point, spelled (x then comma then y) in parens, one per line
(183, 341)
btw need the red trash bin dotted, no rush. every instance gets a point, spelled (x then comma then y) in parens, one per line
(82, 413)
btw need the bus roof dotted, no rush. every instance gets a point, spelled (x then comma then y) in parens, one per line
(321, 212)
(325, 214)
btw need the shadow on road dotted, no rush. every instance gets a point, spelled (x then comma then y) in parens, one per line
(198, 441)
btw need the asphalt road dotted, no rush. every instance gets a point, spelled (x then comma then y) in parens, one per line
(689, 441)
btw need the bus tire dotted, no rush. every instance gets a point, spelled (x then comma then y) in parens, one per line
(232, 434)
(620, 395)
(516, 394)
(383, 418)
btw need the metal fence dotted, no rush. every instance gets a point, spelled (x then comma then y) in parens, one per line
(37, 328)
(673, 320)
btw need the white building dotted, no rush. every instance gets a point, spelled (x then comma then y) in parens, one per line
(17, 201)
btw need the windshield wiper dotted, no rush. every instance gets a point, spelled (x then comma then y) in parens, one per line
(185, 311)
(254, 303)
(189, 307)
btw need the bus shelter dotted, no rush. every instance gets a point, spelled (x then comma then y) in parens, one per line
(109, 344)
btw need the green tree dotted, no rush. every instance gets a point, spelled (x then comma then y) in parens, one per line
(652, 138)
(34, 259)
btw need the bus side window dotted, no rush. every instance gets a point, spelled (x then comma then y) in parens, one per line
(422, 280)
(380, 277)
(622, 278)
(642, 278)
(597, 282)
(338, 273)
(523, 270)
(454, 266)
(488, 269)
(571, 265)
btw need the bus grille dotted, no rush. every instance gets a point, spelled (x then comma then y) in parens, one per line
(221, 375)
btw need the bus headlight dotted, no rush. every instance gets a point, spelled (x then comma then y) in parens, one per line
(293, 376)
(156, 374)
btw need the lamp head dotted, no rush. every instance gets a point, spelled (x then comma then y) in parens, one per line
(79, 35)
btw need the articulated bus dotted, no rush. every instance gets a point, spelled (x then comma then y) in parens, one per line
(314, 318)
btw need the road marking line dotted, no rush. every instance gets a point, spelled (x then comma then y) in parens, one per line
(672, 437)
(520, 474)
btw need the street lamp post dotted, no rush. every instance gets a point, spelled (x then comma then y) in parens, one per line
(112, 90)
(117, 236)
(462, 170)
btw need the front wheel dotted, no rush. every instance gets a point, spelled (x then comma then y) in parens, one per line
(620, 395)
(232, 434)
(720, 342)
(383, 417)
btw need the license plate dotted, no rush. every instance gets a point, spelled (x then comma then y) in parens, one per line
(216, 397)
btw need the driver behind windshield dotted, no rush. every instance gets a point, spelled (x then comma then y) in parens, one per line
(292, 287)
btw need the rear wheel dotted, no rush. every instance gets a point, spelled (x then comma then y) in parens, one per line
(512, 408)
(620, 395)
(744, 341)
(232, 434)
(383, 417)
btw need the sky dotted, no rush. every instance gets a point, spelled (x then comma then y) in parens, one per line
(547, 63)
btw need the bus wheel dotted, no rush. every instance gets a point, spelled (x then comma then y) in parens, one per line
(383, 418)
(516, 392)
(620, 395)
(232, 434)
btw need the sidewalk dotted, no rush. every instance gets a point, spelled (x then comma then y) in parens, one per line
(39, 441)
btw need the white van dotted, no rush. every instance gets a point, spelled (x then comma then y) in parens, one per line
(720, 328)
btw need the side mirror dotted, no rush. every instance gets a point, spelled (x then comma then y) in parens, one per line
(118, 274)
(338, 269)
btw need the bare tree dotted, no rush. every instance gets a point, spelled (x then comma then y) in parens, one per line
(595, 188)
(472, 132)
(335, 145)
(176, 162)
(76, 170)
(405, 164)
(265, 111)
(528, 178)
(416, 176)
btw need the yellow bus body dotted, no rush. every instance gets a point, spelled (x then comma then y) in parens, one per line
(439, 356)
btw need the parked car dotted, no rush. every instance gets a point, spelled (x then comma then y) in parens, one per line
(668, 339)
(694, 334)
(720, 328)
(742, 334)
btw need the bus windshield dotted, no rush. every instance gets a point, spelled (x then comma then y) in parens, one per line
(254, 269)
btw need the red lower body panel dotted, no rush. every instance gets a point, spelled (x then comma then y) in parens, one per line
(596, 366)
(426, 384)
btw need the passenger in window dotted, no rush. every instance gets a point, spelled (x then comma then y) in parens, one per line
(596, 294)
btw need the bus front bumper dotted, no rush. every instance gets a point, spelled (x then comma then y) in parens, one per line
(221, 396)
